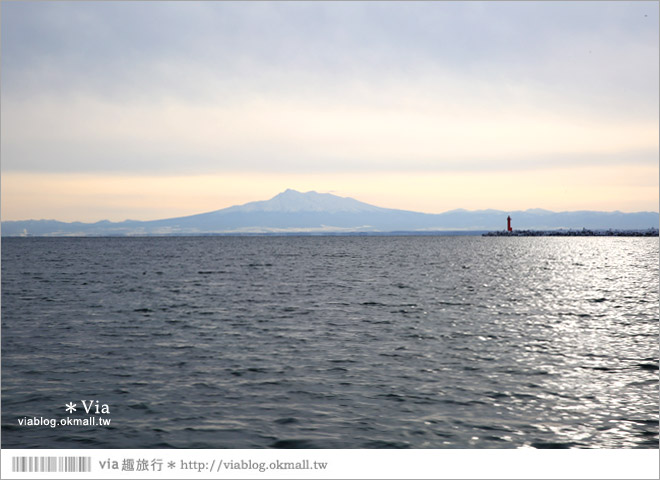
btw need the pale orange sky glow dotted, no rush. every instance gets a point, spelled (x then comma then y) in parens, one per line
(502, 105)
(91, 198)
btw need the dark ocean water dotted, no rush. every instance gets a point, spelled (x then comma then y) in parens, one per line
(332, 342)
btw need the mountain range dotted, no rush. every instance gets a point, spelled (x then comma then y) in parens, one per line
(311, 212)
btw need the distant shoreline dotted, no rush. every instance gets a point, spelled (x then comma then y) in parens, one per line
(651, 232)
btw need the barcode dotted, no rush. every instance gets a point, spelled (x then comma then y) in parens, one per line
(51, 464)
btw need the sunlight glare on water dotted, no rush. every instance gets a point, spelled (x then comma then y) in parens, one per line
(334, 342)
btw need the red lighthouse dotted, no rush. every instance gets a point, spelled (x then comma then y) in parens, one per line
(508, 224)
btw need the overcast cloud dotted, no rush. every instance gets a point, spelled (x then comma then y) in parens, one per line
(310, 86)
(151, 109)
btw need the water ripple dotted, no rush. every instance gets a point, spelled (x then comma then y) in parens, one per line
(333, 342)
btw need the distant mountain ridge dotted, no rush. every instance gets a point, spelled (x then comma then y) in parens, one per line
(294, 201)
(311, 212)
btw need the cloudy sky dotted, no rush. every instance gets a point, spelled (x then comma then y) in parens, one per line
(144, 110)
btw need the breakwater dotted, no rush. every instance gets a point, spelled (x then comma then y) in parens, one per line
(651, 232)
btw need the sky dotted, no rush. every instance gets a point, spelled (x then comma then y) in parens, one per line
(146, 110)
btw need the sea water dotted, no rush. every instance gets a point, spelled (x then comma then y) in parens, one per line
(331, 342)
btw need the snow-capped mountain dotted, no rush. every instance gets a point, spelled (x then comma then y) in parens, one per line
(294, 201)
(312, 212)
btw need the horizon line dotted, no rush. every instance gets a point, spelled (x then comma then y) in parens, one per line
(493, 210)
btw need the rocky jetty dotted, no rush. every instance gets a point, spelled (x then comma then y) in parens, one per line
(651, 232)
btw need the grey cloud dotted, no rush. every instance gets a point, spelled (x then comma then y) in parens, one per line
(597, 56)
(101, 44)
